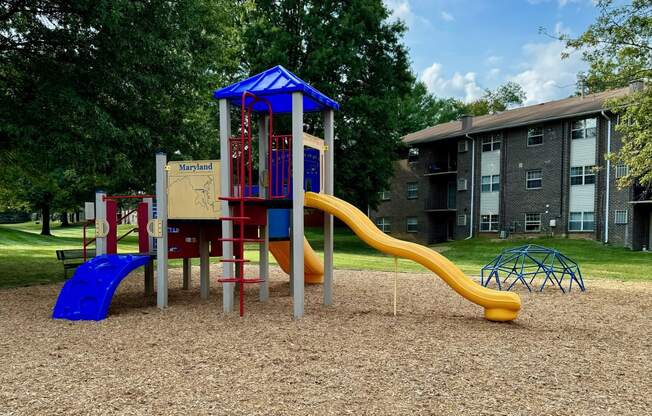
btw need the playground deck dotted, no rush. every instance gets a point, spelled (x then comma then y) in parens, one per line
(583, 353)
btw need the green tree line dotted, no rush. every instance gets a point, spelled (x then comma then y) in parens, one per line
(91, 89)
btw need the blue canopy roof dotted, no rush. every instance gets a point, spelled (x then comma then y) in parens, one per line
(277, 85)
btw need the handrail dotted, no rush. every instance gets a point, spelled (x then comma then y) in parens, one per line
(127, 233)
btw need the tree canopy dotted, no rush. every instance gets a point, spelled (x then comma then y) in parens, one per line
(90, 89)
(353, 53)
(618, 48)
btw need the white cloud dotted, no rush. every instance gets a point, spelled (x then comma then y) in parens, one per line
(560, 3)
(493, 73)
(493, 60)
(545, 76)
(400, 10)
(462, 86)
(447, 16)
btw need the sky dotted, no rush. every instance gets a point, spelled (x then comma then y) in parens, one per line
(460, 47)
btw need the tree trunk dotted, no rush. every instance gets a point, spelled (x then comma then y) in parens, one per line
(45, 221)
(64, 219)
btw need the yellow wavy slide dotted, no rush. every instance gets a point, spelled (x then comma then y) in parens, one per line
(313, 267)
(498, 306)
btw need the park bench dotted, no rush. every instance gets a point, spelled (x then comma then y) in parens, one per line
(73, 258)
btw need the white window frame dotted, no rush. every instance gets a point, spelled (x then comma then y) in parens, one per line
(414, 224)
(489, 223)
(493, 183)
(384, 224)
(413, 155)
(531, 134)
(461, 220)
(414, 193)
(494, 141)
(533, 222)
(621, 216)
(622, 171)
(581, 125)
(582, 221)
(586, 171)
(385, 195)
(528, 179)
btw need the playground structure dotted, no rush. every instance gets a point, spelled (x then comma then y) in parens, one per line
(529, 262)
(214, 208)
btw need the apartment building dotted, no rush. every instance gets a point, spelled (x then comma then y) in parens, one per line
(536, 170)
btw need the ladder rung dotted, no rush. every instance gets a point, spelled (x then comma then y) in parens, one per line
(234, 218)
(234, 261)
(246, 240)
(239, 280)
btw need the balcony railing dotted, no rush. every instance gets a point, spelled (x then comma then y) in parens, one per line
(441, 203)
(434, 168)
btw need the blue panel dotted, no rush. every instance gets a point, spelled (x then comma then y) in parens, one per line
(311, 173)
(279, 224)
(276, 85)
(87, 295)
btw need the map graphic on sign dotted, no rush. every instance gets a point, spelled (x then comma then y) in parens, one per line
(194, 189)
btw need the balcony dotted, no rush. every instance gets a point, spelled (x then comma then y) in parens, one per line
(442, 201)
(439, 169)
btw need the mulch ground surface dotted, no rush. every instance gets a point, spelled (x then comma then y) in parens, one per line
(575, 354)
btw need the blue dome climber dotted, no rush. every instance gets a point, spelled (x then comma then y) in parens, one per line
(526, 263)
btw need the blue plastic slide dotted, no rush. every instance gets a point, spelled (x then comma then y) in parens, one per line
(87, 295)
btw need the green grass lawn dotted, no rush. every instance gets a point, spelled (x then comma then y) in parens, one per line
(28, 258)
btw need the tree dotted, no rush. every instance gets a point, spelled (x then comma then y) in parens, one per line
(90, 89)
(618, 48)
(493, 101)
(353, 53)
(421, 109)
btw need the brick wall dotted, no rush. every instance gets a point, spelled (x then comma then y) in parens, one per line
(398, 208)
(518, 160)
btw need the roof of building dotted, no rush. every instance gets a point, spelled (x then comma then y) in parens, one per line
(276, 85)
(551, 110)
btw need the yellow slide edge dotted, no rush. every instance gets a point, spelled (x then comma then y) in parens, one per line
(313, 267)
(498, 306)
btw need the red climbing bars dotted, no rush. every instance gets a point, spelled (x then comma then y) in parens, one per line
(241, 190)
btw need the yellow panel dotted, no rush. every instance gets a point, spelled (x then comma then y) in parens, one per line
(194, 189)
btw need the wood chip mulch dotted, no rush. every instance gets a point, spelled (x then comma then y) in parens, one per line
(574, 354)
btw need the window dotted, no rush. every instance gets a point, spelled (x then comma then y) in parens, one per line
(581, 221)
(589, 175)
(412, 224)
(622, 171)
(461, 220)
(490, 183)
(491, 143)
(412, 190)
(462, 146)
(413, 154)
(385, 195)
(582, 175)
(535, 136)
(533, 179)
(385, 224)
(585, 129)
(461, 184)
(621, 216)
(532, 222)
(489, 222)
